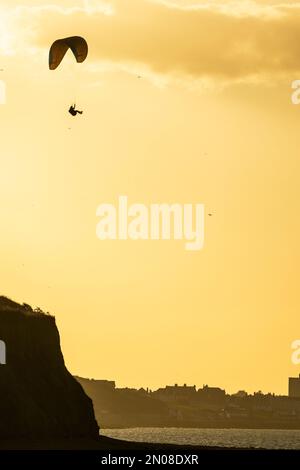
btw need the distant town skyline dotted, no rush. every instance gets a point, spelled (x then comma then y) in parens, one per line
(185, 405)
(293, 387)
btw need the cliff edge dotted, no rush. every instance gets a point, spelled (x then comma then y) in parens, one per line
(39, 398)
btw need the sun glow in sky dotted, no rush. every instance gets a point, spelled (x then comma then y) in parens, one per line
(210, 121)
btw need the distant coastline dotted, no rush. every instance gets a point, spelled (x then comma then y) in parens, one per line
(187, 407)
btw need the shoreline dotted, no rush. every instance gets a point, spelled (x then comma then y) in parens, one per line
(106, 444)
(172, 426)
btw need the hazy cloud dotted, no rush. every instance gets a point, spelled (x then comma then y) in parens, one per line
(233, 40)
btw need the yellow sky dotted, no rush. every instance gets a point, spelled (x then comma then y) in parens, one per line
(211, 121)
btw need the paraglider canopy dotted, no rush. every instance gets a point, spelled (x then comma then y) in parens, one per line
(77, 44)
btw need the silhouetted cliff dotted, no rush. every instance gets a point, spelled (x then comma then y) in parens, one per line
(39, 398)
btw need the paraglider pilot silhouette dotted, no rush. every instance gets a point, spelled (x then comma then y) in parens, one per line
(78, 46)
(74, 111)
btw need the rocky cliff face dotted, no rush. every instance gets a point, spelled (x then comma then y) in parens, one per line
(39, 398)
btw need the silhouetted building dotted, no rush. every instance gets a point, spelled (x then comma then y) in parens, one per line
(176, 392)
(240, 394)
(294, 387)
(211, 393)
